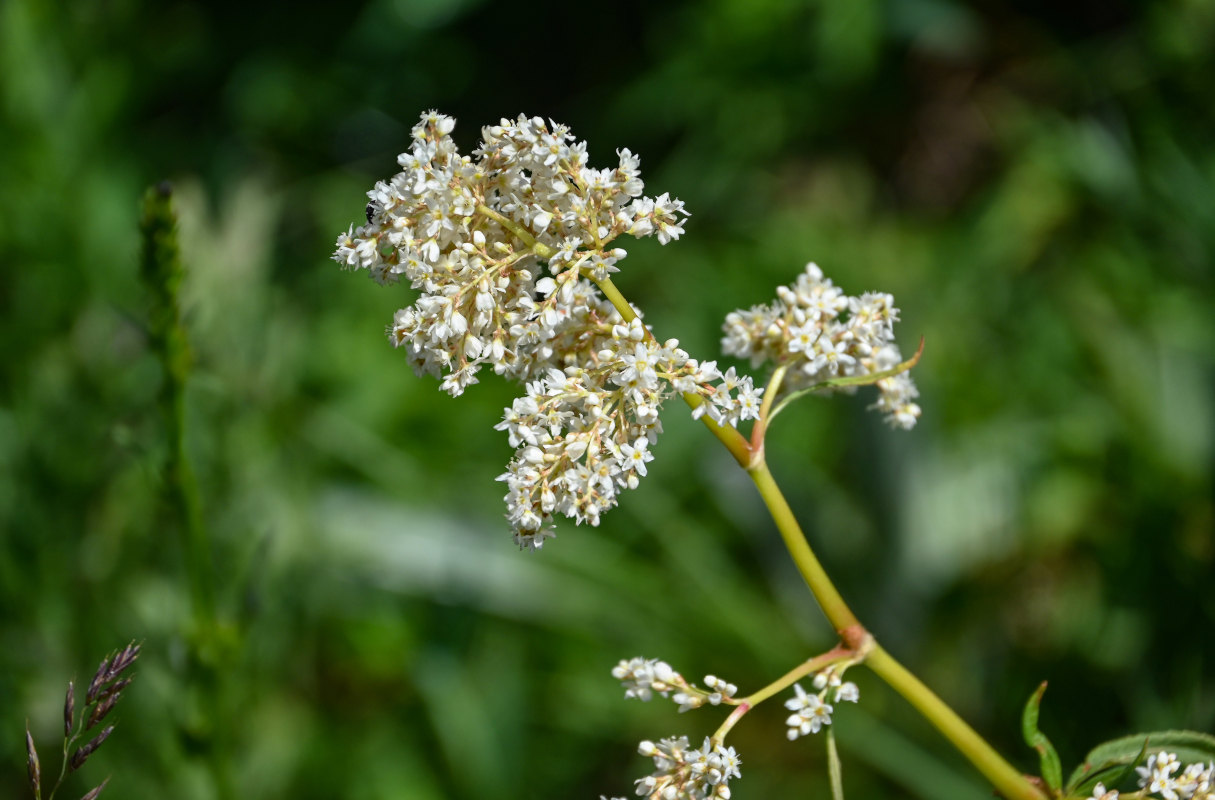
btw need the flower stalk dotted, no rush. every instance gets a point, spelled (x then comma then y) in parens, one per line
(514, 253)
(856, 639)
(728, 435)
(810, 666)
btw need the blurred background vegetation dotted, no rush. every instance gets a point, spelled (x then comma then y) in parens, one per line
(1035, 182)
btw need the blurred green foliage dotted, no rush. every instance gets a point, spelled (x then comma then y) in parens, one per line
(1035, 183)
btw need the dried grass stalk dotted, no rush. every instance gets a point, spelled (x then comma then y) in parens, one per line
(92, 795)
(69, 710)
(104, 692)
(32, 765)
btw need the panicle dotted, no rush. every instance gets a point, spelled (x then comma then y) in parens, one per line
(643, 677)
(684, 772)
(497, 242)
(584, 432)
(820, 333)
(505, 246)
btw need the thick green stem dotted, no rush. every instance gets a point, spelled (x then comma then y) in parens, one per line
(1007, 780)
(828, 597)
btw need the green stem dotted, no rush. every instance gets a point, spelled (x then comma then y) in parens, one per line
(184, 489)
(734, 441)
(539, 248)
(835, 655)
(824, 591)
(1007, 780)
(760, 428)
(63, 762)
(812, 665)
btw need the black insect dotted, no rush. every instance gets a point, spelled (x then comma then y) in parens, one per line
(370, 212)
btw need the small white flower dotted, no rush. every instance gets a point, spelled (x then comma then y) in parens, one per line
(683, 772)
(642, 677)
(1157, 775)
(541, 221)
(847, 693)
(687, 701)
(831, 358)
(721, 688)
(820, 333)
(811, 713)
(803, 338)
(637, 455)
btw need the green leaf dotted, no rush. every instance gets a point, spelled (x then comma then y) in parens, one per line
(1052, 769)
(1112, 774)
(1111, 762)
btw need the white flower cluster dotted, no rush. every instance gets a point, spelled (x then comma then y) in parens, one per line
(820, 333)
(642, 677)
(812, 711)
(451, 224)
(686, 773)
(504, 248)
(1163, 775)
(584, 433)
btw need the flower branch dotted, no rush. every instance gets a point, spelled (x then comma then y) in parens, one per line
(509, 249)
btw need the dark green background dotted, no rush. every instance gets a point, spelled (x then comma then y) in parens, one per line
(1035, 182)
